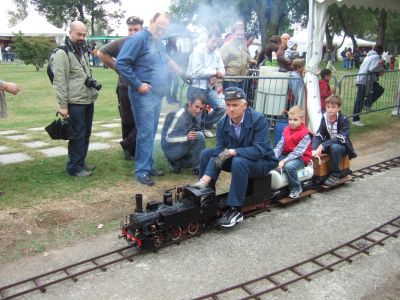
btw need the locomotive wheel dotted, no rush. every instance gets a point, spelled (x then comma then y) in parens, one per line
(193, 228)
(176, 233)
(158, 240)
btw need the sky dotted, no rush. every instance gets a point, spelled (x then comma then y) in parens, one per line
(132, 8)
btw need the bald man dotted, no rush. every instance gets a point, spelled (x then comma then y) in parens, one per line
(76, 95)
(284, 65)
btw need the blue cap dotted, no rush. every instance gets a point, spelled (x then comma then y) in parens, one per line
(233, 93)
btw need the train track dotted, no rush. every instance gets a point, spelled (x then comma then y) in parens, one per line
(101, 262)
(306, 268)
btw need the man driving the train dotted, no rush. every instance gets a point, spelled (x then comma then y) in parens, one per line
(242, 148)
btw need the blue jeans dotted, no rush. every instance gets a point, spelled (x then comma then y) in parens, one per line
(81, 116)
(241, 168)
(146, 112)
(186, 154)
(336, 151)
(217, 104)
(290, 169)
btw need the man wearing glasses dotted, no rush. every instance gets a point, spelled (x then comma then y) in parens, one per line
(108, 54)
(142, 63)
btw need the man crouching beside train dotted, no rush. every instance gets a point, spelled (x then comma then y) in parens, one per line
(242, 148)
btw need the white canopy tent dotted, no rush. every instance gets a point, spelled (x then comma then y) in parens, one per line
(35, 25)
(315, 29)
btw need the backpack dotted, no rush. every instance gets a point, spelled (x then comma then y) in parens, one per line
(50, 72)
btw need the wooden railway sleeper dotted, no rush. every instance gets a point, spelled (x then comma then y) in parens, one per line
(357, 248)
(248, 291)
(373, 241)
(349, 260)
(297, 272)
(318, 263)
(99, 265)
(269, 278)
(39, 285)
(70, 275)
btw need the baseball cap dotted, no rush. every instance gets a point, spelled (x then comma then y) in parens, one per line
(134, 20)
(233, 93)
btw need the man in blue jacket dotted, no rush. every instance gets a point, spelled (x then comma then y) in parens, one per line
(242, 148)
(142, 63)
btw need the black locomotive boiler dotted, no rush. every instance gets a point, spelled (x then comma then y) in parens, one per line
(193, 210)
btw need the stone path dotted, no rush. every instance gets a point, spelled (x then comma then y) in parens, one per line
(26, 144)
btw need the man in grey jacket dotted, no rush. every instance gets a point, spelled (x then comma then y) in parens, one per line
(76, 93)
(182, 139)
(370, 70)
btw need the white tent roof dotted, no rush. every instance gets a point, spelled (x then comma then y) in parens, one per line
(35, 25)
(317, 11)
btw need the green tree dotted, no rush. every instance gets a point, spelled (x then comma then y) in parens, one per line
(19, 14)
(96, 13)
(33, 50)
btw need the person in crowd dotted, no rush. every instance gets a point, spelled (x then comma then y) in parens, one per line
(249, 37)
(392, 63)
(266, 55)
(206, 67)
(9, 87)
(357, 58)
(344, 58)
(294, 149)
(76, 92)
(330, 56)
(333, 137)
(182, 139)
(236, 57)
(349, 59)
(173, 81)
(296, 82)
(96, 60)
(108, 54)
(291, 52)
(243, 147)
(284, 65)
(369, 73)
(325, 89)
(142, 63)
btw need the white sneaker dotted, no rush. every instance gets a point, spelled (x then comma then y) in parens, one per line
(208, 133)
(358, 123)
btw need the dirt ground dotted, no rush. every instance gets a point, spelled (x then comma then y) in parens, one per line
(38, 229)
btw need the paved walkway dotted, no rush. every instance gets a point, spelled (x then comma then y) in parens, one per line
(25, 144)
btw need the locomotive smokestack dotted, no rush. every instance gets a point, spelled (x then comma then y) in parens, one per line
(139, 203)
(168, 198)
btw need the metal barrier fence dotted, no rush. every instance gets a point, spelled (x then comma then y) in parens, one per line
(347, 89)
(273, 95)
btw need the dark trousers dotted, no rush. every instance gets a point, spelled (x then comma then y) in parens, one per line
(375, 93)
(336, 151)
(358, 103)
(241, 168)
(81, 116)
(127, 120)
(173, 83)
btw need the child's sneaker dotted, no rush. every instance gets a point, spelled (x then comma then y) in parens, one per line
(331, 181)
(295, 194)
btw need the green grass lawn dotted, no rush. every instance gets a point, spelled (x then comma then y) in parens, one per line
(29, 183)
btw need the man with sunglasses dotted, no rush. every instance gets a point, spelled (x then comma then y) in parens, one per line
(242, 148)
(108, 54)
(142, 63)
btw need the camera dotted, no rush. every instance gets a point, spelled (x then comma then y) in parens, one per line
(92, 83)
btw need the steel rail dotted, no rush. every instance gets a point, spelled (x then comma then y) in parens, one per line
(386, 230)
(6, 291)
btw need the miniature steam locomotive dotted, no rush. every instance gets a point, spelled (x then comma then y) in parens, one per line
(195, 210)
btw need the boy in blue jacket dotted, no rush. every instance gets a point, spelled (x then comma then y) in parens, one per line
(333, 137)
